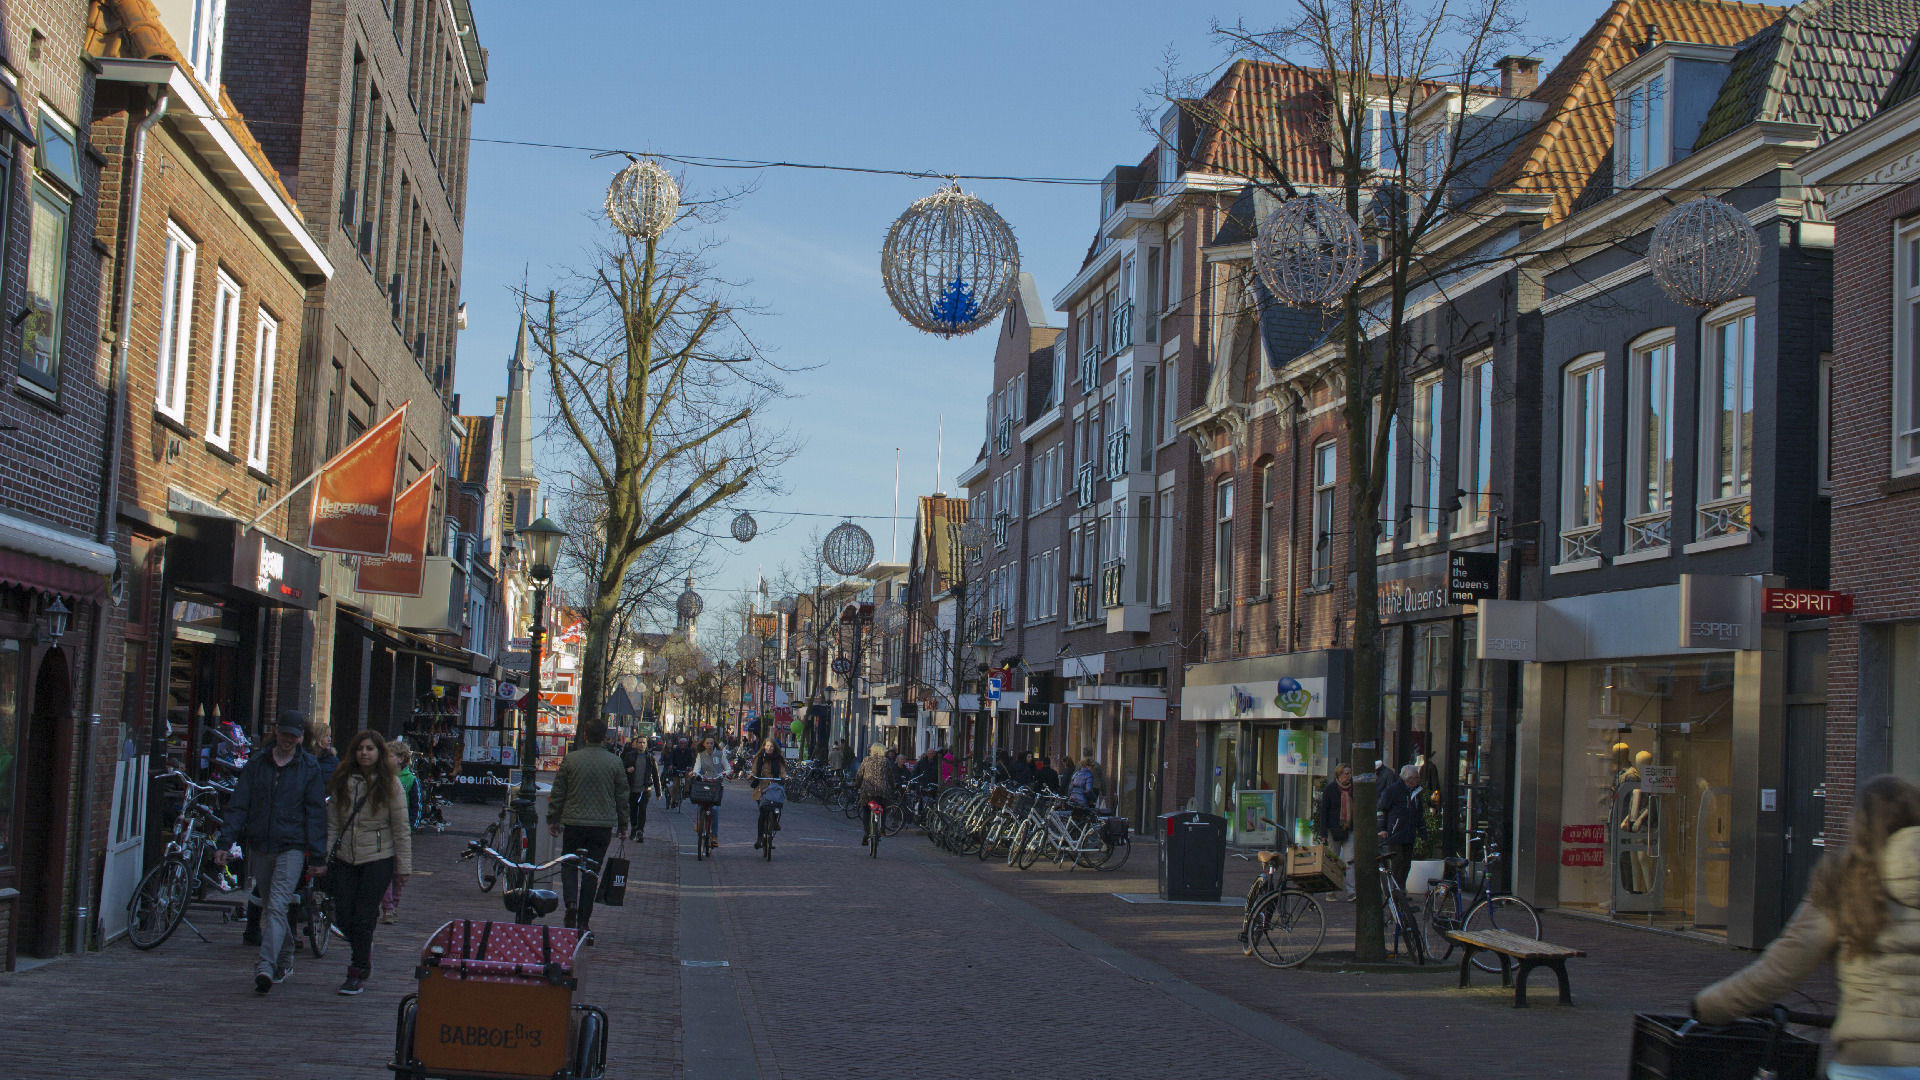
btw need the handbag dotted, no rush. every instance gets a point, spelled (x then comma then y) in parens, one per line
(613, 879)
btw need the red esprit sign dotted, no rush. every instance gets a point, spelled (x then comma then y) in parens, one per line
(1806, 601)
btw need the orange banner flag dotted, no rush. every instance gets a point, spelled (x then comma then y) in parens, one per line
(402, 571)
(352, 510)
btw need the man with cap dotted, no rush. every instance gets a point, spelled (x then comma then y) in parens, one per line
(279, 813)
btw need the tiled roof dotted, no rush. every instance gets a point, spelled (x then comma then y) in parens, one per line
(1827, 63)
(1258, 108)
(1907, 83)
(476, 449)
(1569, 153)
(133, 29)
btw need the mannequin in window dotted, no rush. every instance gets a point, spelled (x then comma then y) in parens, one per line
(1639, 816)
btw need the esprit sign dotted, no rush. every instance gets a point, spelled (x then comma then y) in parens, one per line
(1719, 612)
(1806, 602)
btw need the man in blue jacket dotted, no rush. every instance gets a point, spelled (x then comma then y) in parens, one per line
(279, 814)
(1401, 822)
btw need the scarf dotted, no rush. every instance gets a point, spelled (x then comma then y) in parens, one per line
(1346, 805)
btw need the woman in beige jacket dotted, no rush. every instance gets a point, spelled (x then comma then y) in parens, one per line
(369, 843)
(1863, 913)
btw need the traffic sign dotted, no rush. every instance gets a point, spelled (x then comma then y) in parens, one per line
(993, 688)
(842, 665)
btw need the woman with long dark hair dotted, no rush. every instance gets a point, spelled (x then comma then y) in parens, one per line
(369, 843)
(1862, 911)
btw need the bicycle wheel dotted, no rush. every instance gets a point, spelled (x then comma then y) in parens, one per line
(1037, 841)
(874, 832)
(1116, 858)
(517, 850)
(319, 919)
(894, 820)
(1090, 852)
(1509, 913)
(158, 904)
(1440, 919)
(1286, 928)
(485, 868)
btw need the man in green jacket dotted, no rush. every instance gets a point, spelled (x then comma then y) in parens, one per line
(588, 801)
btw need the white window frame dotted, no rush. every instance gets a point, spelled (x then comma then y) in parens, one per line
(225, 353)
(266, 347)
(1371, 128)
(1326, 477)
(1721, 513)
(1905, 451)
(1640, 129)
(175, 354)
(1263, 531)
(1474, 468)
(1649, 520)
(206, 41)
(42, 338)
(1389, 488)
(1163, 550)
(1582, 456)
(1223, 543)
(1429, 405)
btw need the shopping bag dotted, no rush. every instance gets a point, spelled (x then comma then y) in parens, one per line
(613, 879)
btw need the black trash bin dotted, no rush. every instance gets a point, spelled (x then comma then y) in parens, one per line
(1193, 856)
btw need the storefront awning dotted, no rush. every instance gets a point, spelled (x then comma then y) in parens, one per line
(36, 556)
(223, 557)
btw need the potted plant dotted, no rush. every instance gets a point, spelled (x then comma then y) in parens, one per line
(1427, 861)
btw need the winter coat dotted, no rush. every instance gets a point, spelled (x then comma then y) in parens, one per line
(1330, 825)
(275, 809)
(643, 773)
(712, 765)
(680, 759)
(590, 790)
(1046, 778)
(1400, 814)
(1877, 1023)
(374, 834)
(876, 778)
(1084, 788)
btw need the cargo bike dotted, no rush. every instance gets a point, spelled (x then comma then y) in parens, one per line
(496, 998)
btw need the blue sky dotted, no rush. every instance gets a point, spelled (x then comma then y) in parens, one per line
(1033, 89)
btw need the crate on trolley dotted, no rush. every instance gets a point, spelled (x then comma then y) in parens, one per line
(496, 1003)
(1316, 868)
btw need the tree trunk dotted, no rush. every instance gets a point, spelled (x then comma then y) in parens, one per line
(599, 630)
(1363, 516)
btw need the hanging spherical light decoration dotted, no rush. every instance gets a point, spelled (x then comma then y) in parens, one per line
(787, 605)
(950, 263)
(1309, 252)
(1704, 252)
(744, 527)
(890, 617)
(747, 646)
(848, 549)
(643, 200)
(689, 605)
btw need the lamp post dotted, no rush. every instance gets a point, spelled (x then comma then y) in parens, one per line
(982, 649)
(543, 540)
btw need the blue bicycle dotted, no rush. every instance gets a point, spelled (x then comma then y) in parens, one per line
(1463, 900)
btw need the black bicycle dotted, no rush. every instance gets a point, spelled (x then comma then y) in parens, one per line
(773, 799)
(506, 834)
(1464, 901)
(529, 903)
(1402, 917)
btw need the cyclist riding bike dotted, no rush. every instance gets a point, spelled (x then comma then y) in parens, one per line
(679, 765)
(877, 779)
(710, 764)
(768, 765)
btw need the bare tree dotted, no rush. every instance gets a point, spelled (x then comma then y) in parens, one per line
(1425, 69)
(659, 386)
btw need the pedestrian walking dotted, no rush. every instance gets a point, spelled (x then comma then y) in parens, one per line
(278, 812)
(949, 768)
(643, 781)
(1085, 786)
(1044, 776)
(319, 743)
(369, 845)
(1022, 770)
(1862, 913)
(1336, 818)
(876, 779)
(1402, 823)
(588, 801)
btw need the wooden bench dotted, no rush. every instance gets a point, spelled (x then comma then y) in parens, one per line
(1529, 952)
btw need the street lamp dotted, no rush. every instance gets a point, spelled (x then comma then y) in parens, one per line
(982, 649)
(543, 542)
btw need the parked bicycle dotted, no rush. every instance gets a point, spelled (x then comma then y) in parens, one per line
(1402, 917)
(311, 915)
(1282, 924)
(506, 833)
(159, 904)
(1464, 900)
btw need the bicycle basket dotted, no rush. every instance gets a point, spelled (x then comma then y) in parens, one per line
(704, 792)
(997, 798)
(1022, 805)
(1672, 1046)
(775, 794)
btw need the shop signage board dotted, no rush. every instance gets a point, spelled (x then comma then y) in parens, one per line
(1718, 612)
(352, 507)
(402, 571)
(1035, 714)
(1249, 807)
(1149, 708)
(1286, 698)
(276, 570)
(1660, 779)
(1473, 576)
(1806, 602)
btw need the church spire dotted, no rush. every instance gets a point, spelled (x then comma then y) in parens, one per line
(517, 440)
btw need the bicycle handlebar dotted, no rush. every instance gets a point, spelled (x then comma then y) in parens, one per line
(176, 774)
(477, 848)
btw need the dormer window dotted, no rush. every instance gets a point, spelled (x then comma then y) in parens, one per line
(1381, 132)
(1107, 201)
(204, 45)
(1169, 154)
(1640, 146)
(1430, 155)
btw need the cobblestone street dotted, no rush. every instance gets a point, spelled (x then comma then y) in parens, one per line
(838, 965)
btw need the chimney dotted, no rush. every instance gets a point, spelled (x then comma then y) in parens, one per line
(1519, 75)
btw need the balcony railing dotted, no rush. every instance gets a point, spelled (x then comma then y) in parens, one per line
(1120, 327)
(1000, 522)
(1579, 544)
(1649, 531)
(1083, 483)
(1090, 369)
(1116, 455)
(1004, 438)
(1080, 601)
(1113, 578)
(1726, 517)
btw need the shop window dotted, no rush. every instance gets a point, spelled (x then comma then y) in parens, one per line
(1427, 403)
(1582, 408)
(176, 325)
(1389, 484)
(266, 343)
(1476, 444)
(1223, 544)
(1726, 423)
(1325, 461)
(1263, 530)
(1650, 443)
